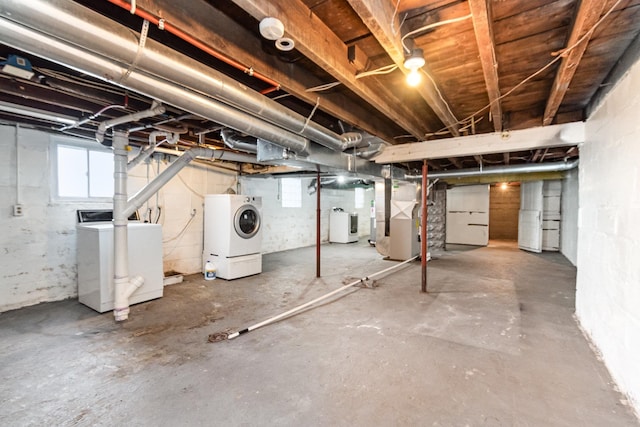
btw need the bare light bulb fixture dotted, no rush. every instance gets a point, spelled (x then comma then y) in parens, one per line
(413, 63)
(414, 78)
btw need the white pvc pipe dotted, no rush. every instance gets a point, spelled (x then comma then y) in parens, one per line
(123, 287)
(156, 109)
(310, 303)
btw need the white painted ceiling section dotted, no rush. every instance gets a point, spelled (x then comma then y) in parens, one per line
(509, 141)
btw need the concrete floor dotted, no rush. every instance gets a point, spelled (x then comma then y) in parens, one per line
(494, 343)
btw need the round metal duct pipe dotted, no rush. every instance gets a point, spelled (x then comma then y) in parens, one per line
(498, 170)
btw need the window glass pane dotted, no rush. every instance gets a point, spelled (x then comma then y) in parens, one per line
(359, 198)
(291, 192)
(72, 171)
(100, 174)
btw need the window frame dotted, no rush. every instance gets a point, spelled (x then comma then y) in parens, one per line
(86, 145)
(282, 193)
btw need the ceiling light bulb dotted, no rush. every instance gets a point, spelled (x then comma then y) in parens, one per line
(504, 186)
(414, 78)
(341, 179)
(415, 60)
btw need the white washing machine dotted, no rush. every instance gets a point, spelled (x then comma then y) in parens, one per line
(233, 234)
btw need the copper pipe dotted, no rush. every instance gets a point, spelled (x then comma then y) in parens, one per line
(318, 224)
(423, 227)
(194, 42)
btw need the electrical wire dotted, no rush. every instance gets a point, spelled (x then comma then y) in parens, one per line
(393, 18)
(189, 188)
(382, 70)
(428, 27)
(320, 88)
(559, 55)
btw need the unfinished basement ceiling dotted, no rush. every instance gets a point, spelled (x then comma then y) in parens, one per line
(498, 66)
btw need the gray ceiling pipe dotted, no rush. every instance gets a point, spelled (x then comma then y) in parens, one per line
(68, 54)
(237, 142)
(500, 170)
(78, 25)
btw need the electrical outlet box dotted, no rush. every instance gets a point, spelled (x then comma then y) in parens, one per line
(18, 210)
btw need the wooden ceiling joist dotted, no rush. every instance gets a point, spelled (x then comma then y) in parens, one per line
(588, 14)
(318, 43)
(376, 16)
(242, 46)
(481, 15)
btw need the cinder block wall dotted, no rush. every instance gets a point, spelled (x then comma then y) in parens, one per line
(38, 260)
(608, 282)
(290, 228)
(504, 205)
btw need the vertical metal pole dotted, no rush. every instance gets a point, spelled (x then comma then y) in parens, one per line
(318, 223)
(423, 228)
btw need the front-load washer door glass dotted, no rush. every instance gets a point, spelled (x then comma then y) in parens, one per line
(247, 221)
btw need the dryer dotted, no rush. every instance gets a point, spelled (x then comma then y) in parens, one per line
(233, 234)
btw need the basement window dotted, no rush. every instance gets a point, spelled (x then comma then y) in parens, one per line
(291, 191)
(82, 172)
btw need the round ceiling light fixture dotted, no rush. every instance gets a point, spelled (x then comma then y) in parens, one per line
(285, 44)
(271, 28)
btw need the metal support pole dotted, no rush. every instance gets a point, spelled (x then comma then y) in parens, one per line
(423, 227)
(318, 224)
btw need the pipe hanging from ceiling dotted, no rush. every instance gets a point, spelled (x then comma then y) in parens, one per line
(498, 170)
(237, 142)
(167, 26)
(79, 26)
(51, 31)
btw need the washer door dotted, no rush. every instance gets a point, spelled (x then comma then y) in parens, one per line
(247, 221)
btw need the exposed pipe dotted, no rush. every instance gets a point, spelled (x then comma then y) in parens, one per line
(39, 19)
(364, 281)
(123, 285)
(171, 138)
(318, 212)
(80, 26)
(497, 170)
(167, 26)
(236, 142)
(91, 117)
(423, 226)
(155, 110)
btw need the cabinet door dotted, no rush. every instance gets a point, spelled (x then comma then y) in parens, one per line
(530, 217)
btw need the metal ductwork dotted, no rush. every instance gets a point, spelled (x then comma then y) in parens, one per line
(55, 30)
(79, 26)
(500, 170)
(237, 142)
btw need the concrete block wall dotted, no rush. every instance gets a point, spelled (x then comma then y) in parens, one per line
(39, 248)
(608, 282)
(504, 205)
(569, 217)
(290, 228)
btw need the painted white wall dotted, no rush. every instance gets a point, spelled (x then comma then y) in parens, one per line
(608, 283)
(569, 217)
(290, 228)
(39, 248)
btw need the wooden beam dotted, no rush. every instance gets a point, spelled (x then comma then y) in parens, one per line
(457, 163)
(241, 45)
(481, 13)
(589, 11)
(376, 16)
(317, 42)
(433, 165)
(488, 143)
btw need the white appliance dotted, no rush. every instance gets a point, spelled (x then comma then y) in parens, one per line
(233, 234)
(343, 227)
(403, 230)
(95, 263)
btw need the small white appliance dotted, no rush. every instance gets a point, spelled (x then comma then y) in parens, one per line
(233, 234)
(95, 263)
(403, 230)
(343, 226)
